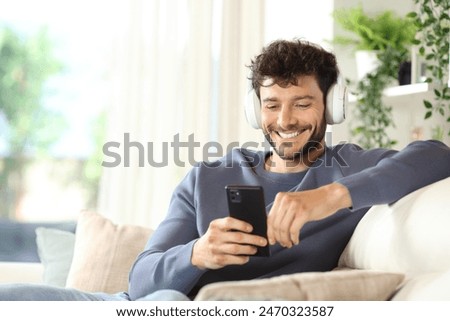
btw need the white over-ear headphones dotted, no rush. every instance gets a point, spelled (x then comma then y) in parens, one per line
(336, 104)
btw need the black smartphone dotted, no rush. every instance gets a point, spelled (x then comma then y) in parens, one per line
(246, 203)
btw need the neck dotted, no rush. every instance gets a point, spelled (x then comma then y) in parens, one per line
(274, 163)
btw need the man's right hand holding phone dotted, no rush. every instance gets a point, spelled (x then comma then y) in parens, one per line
(226, 242)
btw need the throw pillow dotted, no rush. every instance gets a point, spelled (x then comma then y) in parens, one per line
(55, 250)
(104, 253)
(409, 236)
(339, 285)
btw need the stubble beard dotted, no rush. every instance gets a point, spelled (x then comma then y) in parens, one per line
(314, 144)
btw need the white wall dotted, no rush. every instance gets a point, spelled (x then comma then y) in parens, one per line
(306, 19)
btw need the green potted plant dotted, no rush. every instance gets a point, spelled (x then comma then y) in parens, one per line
(433, 35)
(374, 33)
(389, 37)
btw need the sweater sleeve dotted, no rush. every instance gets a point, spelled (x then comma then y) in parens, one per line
(397, 174)
(167, 255)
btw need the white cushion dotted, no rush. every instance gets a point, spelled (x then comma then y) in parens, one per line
(21, 272)
(411, 236)
(55, 249)
(426, 287)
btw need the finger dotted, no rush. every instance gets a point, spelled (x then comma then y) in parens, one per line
(270, 231)
(296, 226)
(280, 211)
(284, 228)
(245, 238)
(295, 231)
(231, 223)
(271, 221)
(276, 225)
(234, 259)
(238, 249)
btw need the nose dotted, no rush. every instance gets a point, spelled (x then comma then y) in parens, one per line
(285, 117)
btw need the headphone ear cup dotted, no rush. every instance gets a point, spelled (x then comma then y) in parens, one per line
(336, 104)
(253, 110)
(252, 106)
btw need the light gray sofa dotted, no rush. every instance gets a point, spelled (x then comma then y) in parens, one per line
(397, 252)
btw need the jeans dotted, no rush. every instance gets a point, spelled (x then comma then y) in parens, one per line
(34, 292)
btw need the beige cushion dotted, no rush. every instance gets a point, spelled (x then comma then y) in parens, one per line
(313, 286)
(410, 236)
(104, 253)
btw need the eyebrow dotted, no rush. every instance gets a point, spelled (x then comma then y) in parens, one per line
(295, 98)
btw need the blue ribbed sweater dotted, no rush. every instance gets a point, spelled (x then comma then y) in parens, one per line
(376, 176)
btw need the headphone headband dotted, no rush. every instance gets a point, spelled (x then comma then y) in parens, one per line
(335, 106)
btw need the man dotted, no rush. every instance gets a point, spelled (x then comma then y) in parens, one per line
(315, 194)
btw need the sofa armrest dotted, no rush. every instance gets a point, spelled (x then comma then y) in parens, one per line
(21, 272)
(409, 236)
(425, 287)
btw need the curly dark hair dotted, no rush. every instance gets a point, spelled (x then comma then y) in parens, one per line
(283, 61)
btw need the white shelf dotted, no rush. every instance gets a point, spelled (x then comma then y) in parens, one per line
(399, 91)
(406, 90)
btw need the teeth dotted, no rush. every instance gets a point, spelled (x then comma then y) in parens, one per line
(291, 135)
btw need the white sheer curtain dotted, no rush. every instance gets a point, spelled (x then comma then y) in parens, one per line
(165, 84)
(242, 38)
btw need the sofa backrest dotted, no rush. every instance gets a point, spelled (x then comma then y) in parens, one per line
(18, 239)
(411, 236)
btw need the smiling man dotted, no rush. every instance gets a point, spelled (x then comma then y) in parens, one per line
(293, 122)
(315, 194)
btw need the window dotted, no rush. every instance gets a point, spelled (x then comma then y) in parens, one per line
(54, 54)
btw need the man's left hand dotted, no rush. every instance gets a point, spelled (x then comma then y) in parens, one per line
(291, 210)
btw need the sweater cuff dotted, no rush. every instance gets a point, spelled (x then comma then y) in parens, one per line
(187, 271)
(363, 193)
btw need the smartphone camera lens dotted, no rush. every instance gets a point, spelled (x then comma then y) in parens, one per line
(235, 196)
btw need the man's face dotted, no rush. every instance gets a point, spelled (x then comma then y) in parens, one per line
(293, 118)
